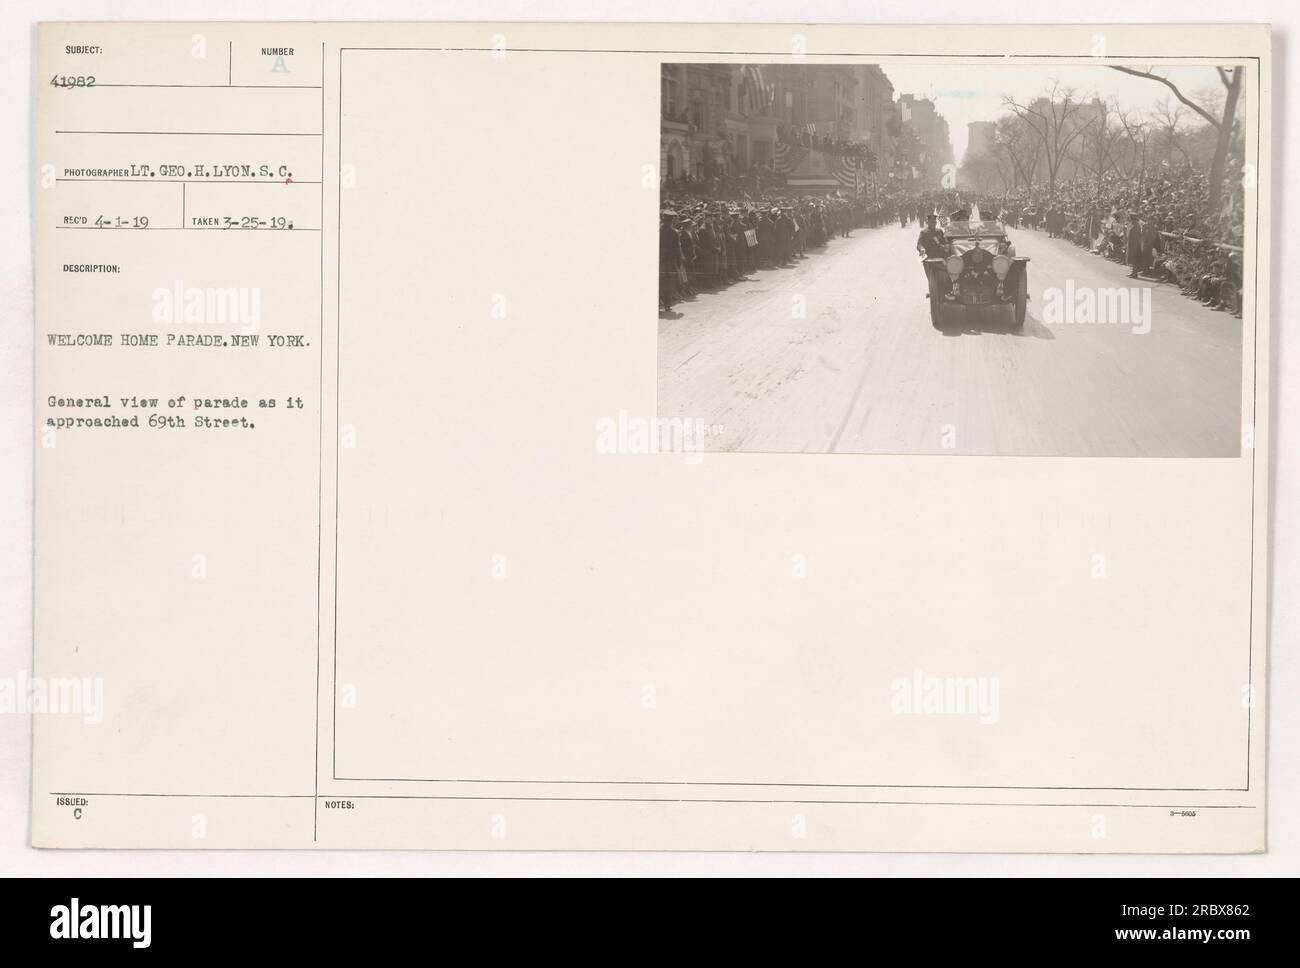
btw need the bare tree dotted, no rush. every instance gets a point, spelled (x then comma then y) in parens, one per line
(1017, 143)
(1055, 119)
(1168, 118)
(1222, 122)
(1138, 133)
(1101, 143)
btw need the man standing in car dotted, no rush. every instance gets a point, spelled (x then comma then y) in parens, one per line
(931, 243)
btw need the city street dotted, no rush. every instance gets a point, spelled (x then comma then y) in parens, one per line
(837, 354)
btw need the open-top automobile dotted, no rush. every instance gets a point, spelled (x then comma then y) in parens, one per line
(979, 271)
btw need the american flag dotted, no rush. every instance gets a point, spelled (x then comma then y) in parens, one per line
(758, 90)
(786, 158)
(846, 169)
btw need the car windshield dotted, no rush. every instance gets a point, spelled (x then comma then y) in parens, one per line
(973, 227)
(974, 224)
(987, 243)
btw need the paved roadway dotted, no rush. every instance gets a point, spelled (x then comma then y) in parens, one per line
(864, 371)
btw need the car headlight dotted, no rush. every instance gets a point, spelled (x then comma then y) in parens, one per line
(954, 265)
(1001, 265)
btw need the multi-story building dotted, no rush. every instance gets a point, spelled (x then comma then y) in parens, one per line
(693, 105)
(726, 117)
(877, 116)
(730, 118)
(834, 101)
(818, 99)
(980, 136)
(930, 147)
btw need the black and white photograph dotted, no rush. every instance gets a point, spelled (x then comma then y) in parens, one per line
(955, 258)
(364, 525)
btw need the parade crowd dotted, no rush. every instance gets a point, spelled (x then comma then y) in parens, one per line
(713, 234)
(708, 244)
(1160, 226)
